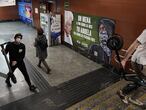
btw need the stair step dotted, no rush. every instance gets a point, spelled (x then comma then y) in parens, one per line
(85, 86)
(142, 98)
(113, 103)
(100, 97)
(36, 77)
(119, 105)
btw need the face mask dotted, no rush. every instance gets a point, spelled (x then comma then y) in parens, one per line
(18, 40)
(103, 32)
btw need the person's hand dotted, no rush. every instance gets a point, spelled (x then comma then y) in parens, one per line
(14, 63)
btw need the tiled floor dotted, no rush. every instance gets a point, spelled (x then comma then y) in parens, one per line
(65, 63)
(18, 91)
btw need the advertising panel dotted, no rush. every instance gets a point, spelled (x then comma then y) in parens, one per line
(25, 12)
(56, 29)
(88, 35)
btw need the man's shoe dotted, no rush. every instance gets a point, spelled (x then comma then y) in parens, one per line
(8, 83)
(123, 97)
(136, 101)
(13, 78)
(32, 88)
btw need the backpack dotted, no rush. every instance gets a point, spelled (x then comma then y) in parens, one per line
(42, 42)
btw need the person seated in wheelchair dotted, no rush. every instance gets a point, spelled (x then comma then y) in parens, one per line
(138, 58)
(137, 53)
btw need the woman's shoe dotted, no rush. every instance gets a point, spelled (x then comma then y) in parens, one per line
(48, 71)
(13, 78)
(39, 66)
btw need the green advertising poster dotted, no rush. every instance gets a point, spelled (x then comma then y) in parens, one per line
(88, 35)
(84, 31)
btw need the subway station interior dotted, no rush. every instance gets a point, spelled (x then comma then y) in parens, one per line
(72, 55)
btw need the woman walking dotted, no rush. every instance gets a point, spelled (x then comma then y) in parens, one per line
(41, 49)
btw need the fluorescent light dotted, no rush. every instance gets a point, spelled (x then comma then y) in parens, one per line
(7, 3)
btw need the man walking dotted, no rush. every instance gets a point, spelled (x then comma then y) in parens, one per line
(16, 51)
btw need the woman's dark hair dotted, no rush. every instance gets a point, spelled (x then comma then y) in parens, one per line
(40, 31)
(18, 35)
(109, 25)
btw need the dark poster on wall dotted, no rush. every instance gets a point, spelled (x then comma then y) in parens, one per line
(88, 35)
